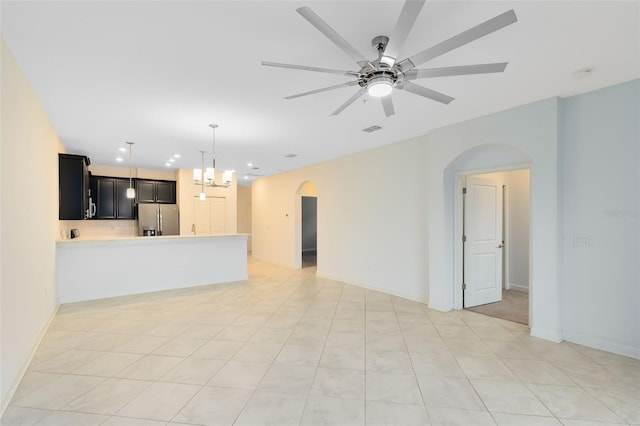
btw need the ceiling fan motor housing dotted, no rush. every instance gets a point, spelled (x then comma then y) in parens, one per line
(380, 72)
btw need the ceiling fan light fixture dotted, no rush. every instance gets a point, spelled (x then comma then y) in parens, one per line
(380, 86)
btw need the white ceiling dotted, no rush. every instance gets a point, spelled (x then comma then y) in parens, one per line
(157, 73)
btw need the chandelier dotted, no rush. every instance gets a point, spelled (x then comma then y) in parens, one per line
(208, 178)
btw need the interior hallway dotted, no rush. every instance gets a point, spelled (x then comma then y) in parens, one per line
(287, 347)
(514, 306)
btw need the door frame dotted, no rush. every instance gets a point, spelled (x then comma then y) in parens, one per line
(297, 259)
(458, 228)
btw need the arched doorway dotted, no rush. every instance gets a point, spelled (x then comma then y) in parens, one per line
(306, 225)
(525, 137)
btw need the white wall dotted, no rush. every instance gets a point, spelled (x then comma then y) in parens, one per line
(518, 211)
(600, 163)
(381, 250)
(29, 225)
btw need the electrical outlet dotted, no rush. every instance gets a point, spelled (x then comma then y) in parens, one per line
(581, 240)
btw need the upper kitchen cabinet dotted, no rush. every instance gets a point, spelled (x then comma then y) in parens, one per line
(73, 187)
(111, 198)
(156, 191)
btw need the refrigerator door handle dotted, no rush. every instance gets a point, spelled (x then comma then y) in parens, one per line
(160, 219)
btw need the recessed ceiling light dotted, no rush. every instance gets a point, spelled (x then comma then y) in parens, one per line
(582, 73)
(176, 155)
(122, 149)
(249, 164)
(167, 164)
(246, 178)
(172, 160)
(118, 159)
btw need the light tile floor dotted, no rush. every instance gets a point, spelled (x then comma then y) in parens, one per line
(289, 348)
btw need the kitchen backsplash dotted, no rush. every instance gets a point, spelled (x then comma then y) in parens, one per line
(96, 229)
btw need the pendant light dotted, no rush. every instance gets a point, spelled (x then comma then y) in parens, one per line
(211, 172)
(207, 176)
(131, 193)
(203, 195)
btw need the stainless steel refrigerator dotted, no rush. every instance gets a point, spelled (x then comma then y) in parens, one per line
(163, 219)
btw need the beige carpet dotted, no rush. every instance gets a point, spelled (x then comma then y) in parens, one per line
(513, 307)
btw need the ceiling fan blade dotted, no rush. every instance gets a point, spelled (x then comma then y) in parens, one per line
(324, 89)
(332, 35)
(423, 91)
(401, 31)
(457, 70)
(306, 68)
(387, 104)
(349, 101)
(461, 39)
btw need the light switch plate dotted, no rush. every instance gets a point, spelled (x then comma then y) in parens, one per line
(581, 240)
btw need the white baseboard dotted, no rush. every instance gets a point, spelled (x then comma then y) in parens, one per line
(23, 370)
(273, 262)
(518, 287)
(552, 335)
(357, 284)
(603, 345)
(441, 308)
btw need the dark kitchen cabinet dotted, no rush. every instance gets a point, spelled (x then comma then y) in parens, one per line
(125, 207)
(111, 198)
(73, 187)
(155, 191)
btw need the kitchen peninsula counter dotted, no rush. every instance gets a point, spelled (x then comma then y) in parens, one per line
(97, 268)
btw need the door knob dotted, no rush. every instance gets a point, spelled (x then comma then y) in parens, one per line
(501, 245)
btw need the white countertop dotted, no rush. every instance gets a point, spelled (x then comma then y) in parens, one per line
(165, 238)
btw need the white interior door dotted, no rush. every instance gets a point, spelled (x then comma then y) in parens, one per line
(201, 215)
(483, 245)
(210, 215)
(218, 217)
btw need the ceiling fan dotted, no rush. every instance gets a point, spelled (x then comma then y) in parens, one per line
(380, 76)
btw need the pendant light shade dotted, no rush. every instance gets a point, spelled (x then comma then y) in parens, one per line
(131, 193)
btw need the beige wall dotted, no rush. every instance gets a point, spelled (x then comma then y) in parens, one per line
(308, 189)
(244, 212)
(29, 225)
(188, 194)
(123, 172)
(370, 209)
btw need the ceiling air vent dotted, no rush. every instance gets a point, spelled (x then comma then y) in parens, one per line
(291, 156)
(371, 129)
